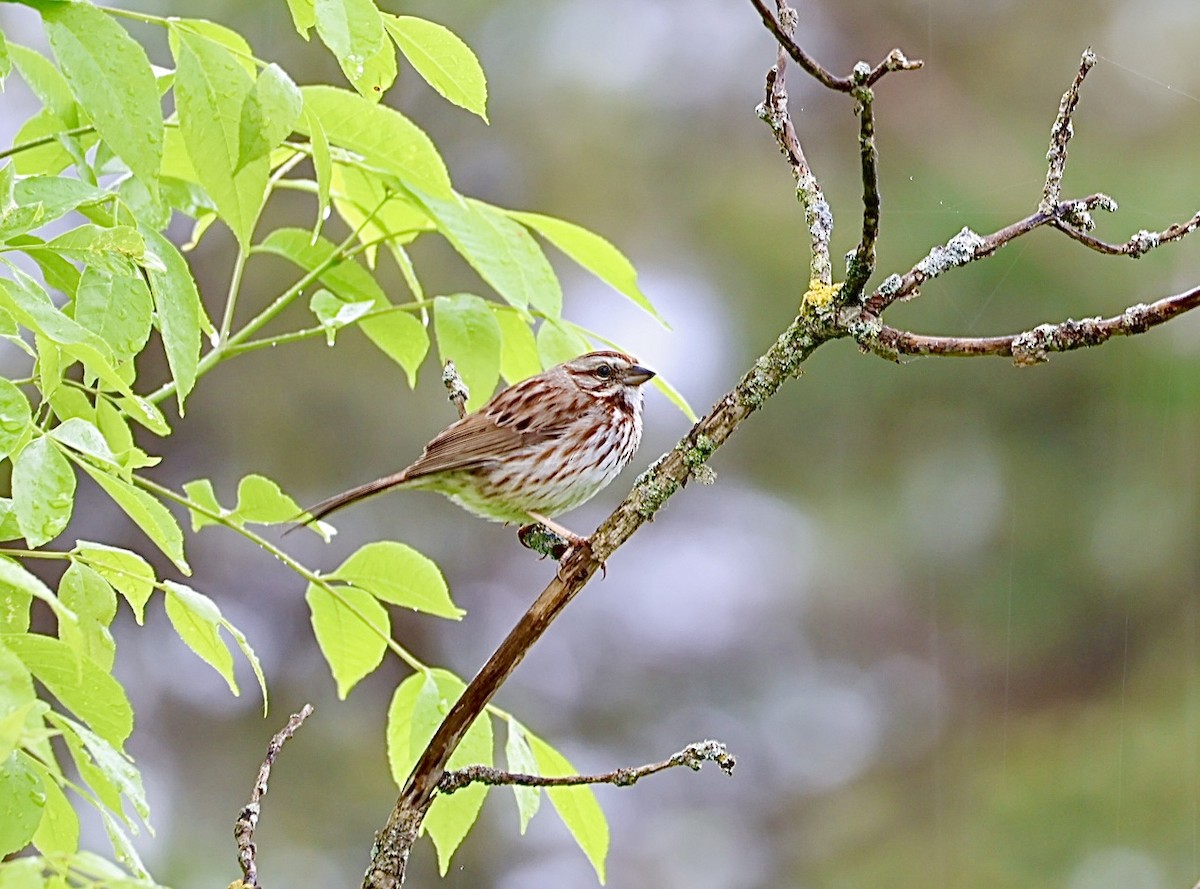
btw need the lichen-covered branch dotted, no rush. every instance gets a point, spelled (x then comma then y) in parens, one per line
(1034, 346)
(1061, 133)
(692, 756)
(247, 820)
(817, 215)
(862, 261)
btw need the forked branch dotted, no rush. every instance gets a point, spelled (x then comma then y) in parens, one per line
(825, 314)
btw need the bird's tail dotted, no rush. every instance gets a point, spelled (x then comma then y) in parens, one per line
(318, 511)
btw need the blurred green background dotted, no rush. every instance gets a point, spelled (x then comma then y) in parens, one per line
(944, 613)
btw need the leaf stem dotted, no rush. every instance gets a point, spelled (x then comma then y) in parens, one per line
(309, 575)
(45, 140)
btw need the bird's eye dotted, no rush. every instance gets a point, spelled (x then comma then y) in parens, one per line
(604, 371)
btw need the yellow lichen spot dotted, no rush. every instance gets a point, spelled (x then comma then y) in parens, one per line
(819, 295)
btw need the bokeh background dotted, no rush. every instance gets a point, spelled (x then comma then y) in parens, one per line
(944, 613)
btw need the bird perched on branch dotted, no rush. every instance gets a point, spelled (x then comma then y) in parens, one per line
(538, 449)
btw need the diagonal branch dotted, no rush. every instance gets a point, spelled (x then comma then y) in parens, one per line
(247, 820)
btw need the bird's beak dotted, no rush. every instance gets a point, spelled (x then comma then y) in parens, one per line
(637, 375)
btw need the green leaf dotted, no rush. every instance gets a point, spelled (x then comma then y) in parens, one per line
(211, 87)
(178, 312)
(224, 37)
(147, 513)
(345, 276)
(304, 16)
(123, 848)
(398, 574)
(261, 501)
(111, 249)
(85, 689)
(197, 620)
(440, 56)
(417, 708)
(82, 435)
(115, 307)
(15, 416)
(557, 343)
(576, 806)
(369, 206)
(129, 573)
(352, 629)
(24, 801)
(109, 73)
(94, 604)
(469, 335)
(48, 157)
(5, 60)
(16, 683)
(201, 493)
(520, 759)
(335, 312)
(111, 761)
(322, 166)
(353, 31)
(400, 336)
(518, 349)
(43, 486)
(58, 832)
(591, 251)
(38, 200)
(385, 138)
(501, 251)
(268, 114)
(24, 298)
(17, 588)
(23, 873)
(675, 397)
(47, 83)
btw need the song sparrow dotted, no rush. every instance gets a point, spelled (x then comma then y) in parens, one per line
(537, 449)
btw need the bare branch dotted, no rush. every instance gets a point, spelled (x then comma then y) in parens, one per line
(895, 60)
(817, 214)
(1060, 135)
(1034, 346)
(862, 262)
(1137, 246)
(247, 820)
(692, 756)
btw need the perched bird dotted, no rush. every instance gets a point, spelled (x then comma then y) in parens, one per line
(537, 449)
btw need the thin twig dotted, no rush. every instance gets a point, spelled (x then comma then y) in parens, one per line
(894, 61)
(247, 820)
(862, 263)
(692, 756)
(1060, 135)
(817, 215)
(1137, 246)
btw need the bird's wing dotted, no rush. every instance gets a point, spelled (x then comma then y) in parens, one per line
(504, 426)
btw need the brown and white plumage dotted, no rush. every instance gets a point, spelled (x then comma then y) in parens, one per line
(537, 449)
